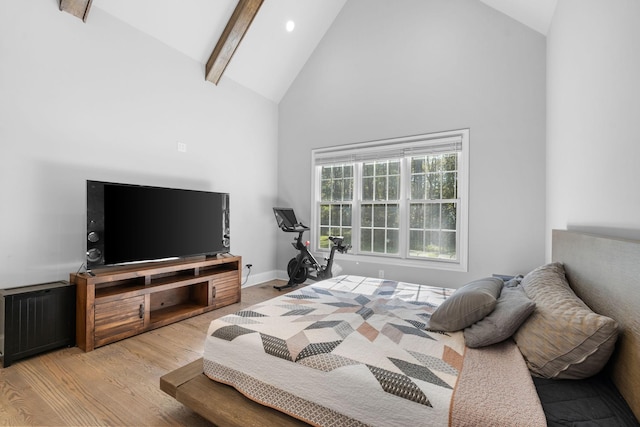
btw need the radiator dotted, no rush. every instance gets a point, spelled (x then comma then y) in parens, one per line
(35, 319)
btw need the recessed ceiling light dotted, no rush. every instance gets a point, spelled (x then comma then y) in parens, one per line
(290, 25)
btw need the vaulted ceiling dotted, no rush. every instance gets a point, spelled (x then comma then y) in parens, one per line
(269, 57)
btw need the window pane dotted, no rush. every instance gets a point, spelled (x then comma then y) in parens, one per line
(325, 190)
(393, 216)
(324, 237)
(337, 189)
(381, 188)
(394, 188)
(367, 188)
(418, 190)
(432, 242)
(337, 172)
(433, 186)
(366, 219)
(367, 169)
(379, 216)
(417, 165)
(346, 233)
(416, 242)
(381, 168)
(416, 215)
(432, 216)
(448, 248)
(346, 215)
(326, 172)
(393, 241)
(335, 214)
(348, 171)
(449, 215)
(449, 185)
(433, 164)
(324, 214)
(450, 162)
(394, 167)
(379, 241)
(348, 189)
(365, 240)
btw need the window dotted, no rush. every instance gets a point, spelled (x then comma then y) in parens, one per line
(336, 186)
(380, 207)
(403, 199)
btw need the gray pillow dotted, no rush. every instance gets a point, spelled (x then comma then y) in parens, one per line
(467, 305)
(513, 308)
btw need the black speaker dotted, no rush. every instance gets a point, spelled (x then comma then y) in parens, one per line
(226, 230)
(95, 224)
(94, 255)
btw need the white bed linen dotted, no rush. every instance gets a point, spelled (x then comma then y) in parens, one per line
(345, 351)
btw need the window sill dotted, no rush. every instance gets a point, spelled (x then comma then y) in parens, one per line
(401, 262)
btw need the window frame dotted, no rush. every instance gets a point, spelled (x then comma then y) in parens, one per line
(403, 148)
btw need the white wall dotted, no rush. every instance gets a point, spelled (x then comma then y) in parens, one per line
(103, 101)
(593, 107)
(385, 70)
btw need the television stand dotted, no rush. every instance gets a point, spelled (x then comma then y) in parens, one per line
(113, 304)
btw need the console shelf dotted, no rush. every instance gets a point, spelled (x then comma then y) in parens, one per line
(118, 303)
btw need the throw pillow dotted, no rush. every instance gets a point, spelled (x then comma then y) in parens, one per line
(467, 305)
(563, 338)
(512, 309)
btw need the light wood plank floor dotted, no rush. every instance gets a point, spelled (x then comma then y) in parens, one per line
(114, 385)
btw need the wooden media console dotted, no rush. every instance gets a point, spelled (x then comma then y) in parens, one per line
(114, 304)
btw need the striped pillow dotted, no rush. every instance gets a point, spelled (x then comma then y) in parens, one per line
(563, 338)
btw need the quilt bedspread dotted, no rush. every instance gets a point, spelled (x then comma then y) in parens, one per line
(345, 351)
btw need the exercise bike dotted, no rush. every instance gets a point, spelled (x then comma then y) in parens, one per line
(299, 267)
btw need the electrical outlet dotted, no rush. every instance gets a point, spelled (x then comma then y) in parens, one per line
(381, 274)
(249, 266)
(182, 147)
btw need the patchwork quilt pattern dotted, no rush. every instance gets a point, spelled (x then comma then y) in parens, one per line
(344, 334)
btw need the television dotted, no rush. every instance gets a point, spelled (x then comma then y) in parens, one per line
(134, 223)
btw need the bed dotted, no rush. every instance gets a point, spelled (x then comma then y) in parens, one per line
(324, 366)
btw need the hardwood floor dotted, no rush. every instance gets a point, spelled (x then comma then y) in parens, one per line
(114, 385)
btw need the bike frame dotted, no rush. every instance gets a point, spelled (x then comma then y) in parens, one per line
(305, 259)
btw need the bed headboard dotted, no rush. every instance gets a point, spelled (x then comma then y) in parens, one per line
(605, 273)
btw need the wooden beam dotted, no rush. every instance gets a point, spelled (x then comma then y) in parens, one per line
(231, 37)
(79, 8)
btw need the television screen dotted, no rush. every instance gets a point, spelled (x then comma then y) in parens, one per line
(132, 223)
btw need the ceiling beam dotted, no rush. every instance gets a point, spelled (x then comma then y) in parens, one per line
(231, 37)
(79, 8)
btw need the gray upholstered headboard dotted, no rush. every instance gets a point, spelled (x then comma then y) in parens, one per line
(605, 273)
